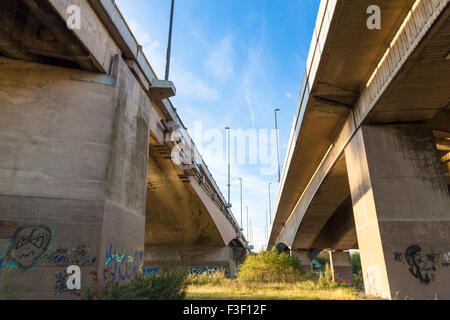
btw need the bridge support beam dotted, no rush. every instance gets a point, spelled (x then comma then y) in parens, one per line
(341, 266)
(73, 159)
(401, 207)
(197, 258)
(304, 257)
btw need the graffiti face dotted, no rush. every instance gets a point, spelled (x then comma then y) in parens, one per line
(29, 245)
(421, 266)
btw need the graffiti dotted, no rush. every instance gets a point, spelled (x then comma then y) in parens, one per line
(398, 256)
(61, 284)
(343, 279)
(8, 266)
(120, 265)
(446, 263)
(373, 280)
(421, 266)
(208, 270)
(30, 244)
(78, 256)
(150, 271)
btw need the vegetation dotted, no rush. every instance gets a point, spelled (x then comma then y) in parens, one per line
(270, 266)
(356, 262)
(265, 276)
(169, 285)
(300, 290)
(326, 279)
(324, 259)
(270, 276)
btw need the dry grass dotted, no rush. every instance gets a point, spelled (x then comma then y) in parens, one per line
(238, 290)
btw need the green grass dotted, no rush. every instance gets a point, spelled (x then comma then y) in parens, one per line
(269, 276)
(306, 287)
(258, 290)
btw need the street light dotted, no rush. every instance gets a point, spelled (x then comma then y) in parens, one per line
(241, 202)
(267, 229)
(169, 43)
(270, 204)
(229, 168)
(248, 238)
(251, 232)
(278, 151)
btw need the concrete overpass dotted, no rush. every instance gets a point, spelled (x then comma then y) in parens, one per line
(367, 165)
(89, 150)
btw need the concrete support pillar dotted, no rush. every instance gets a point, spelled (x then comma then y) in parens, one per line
(304, 257)
(341, 267)
(401, 206)
(74, 154)
(197, 258)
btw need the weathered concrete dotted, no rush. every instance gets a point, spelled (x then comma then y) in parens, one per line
(322, 127)
(73, 175)
(341, 267)
(199, 258)
(74, 154)
(401, 205)
(304, 257)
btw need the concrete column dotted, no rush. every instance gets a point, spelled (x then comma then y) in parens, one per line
(341, 267)
(197, 258)
(304, 257)
(73, 159)
(401, 206)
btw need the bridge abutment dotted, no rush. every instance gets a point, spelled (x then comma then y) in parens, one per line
(73, 173)
(197, 258)
(401, 207)
(341, 266)
(304, 257)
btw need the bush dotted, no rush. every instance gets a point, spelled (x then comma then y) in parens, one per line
(358, 281)
(206, 278)
(162, 286)
(326, 279)
(356, 262)
(270, 267)
(323, 258)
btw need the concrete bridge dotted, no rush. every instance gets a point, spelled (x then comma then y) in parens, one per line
(96, 167)
(368, 160)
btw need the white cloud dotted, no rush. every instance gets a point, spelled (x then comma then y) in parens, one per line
(189, 85)
(220, 62)
(250, 105)
(288, 95)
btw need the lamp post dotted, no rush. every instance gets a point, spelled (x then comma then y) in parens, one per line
(267, 229)
(229, 167)
(270, 204)
(248, 238)
(169, 44)
(241, 202)
(251, 233)
(278, 151)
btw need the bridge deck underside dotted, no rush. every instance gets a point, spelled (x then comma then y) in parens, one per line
(418, 92)
(175, 214)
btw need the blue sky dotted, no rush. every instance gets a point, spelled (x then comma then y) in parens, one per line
(233, 62)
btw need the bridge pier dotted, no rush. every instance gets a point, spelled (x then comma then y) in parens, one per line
(73, 168)
(304, 256)
(341, 266)
(197, 258)
(401, 207)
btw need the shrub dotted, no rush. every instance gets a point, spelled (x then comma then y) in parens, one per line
(270, 267)
(169, 285)
(358, 281)
(326, 279)
(356, 262)
(203, 279)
